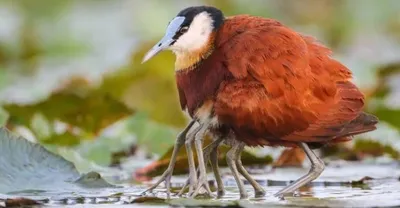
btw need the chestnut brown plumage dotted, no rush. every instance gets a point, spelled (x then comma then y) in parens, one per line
(263, 83)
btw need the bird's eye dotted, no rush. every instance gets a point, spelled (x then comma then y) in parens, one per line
(183, 30)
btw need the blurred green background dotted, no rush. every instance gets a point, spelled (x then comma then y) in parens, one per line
(71, 78)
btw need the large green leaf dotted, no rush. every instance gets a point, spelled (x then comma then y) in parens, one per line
(149, 87)
(386, 91)
(76, 103)
(3, 117)
(28, 167)
(152, 136)
(91, 108)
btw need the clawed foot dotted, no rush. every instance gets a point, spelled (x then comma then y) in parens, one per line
(194, 190)
(202, 182)
(183, 189)
(166, 176)
(259, 193)
(193, 187)
(190, 182)
(220, 193)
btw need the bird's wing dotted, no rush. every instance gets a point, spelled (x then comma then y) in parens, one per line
(337, 119)
(275, 92)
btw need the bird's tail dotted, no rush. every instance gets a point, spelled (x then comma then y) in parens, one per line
(363, 123)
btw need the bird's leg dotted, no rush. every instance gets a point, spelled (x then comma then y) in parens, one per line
(215, 168)
(258, 190)
(192, 166)
(207, 152)
(317, 166)
(231, 158)
(202, 182)
(166, 176)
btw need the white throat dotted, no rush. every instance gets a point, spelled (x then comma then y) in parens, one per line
(197, 36)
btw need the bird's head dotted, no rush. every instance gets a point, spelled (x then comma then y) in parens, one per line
(190, 35)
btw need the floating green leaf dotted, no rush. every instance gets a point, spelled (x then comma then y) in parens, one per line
(25, 166)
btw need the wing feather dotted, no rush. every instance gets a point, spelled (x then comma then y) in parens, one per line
(285, 86)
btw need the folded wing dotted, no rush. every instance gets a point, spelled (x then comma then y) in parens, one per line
(286, 87)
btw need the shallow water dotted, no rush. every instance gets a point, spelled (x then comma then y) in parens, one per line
(340, 185)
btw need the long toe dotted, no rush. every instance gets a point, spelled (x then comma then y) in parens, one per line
(182, 191)
(243, 196)
(220, 193)
(205, 194)
(191, 191)
(149, 190)
(259, 193)
(203, 183)
(281, 195)
(166, 176)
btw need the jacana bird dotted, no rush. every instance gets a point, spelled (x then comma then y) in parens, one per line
(264, 83)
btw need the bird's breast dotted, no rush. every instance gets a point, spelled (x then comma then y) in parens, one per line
(200, 84)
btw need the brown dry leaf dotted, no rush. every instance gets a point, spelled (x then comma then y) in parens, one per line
(362, 181)
(148, 200)
(290, 157)
(18, 202)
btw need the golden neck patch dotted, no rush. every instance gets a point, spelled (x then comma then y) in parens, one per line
(188, 59)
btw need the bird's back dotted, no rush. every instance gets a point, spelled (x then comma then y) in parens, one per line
(286, 87)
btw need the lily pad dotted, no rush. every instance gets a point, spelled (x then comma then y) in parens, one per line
(28, 167)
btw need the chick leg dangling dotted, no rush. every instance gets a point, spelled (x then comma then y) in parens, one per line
(258, 190)
(317, 166)
(202, 182)
(208, 155)
(166, 176)
(192, 165)
(215, 168)
(231, 158)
